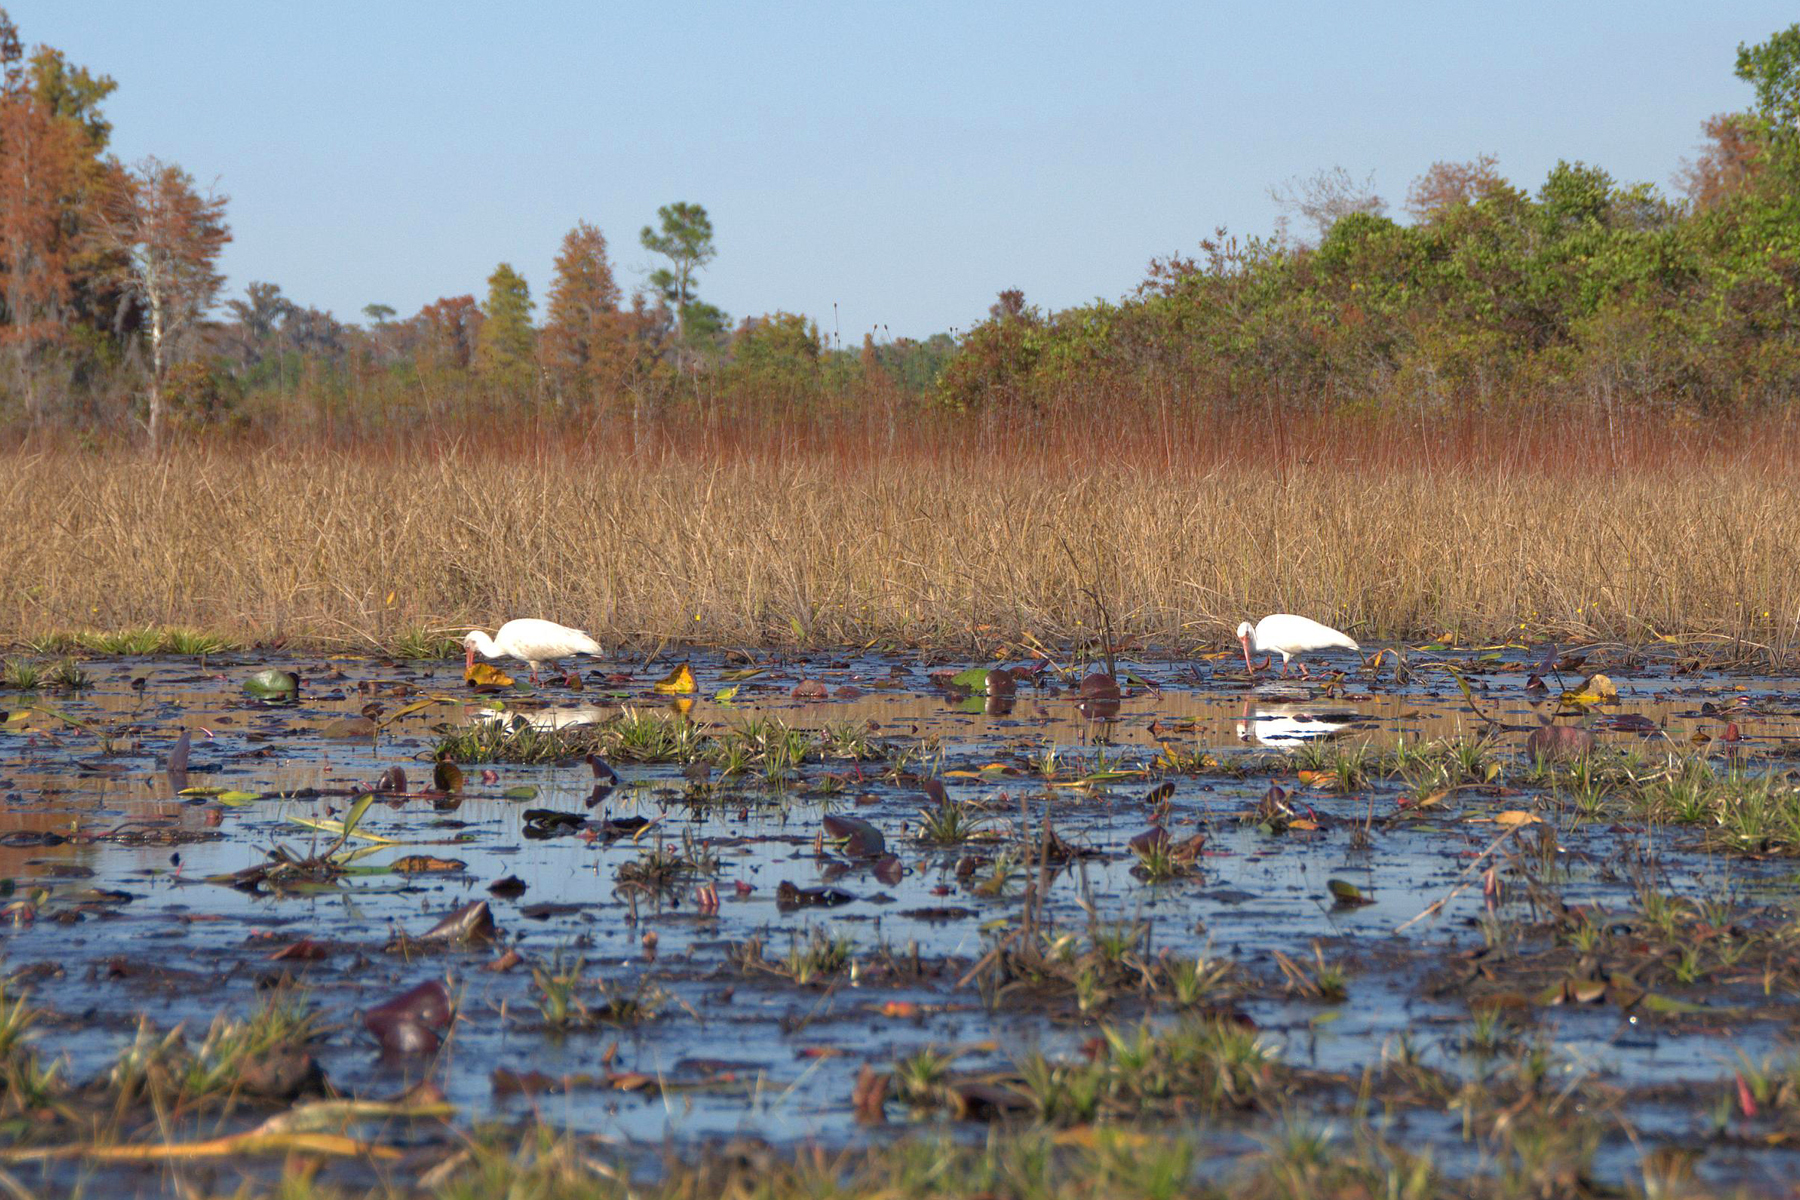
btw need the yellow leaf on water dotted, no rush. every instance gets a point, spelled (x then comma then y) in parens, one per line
(486, 675)
(1088, 1137)
(1516, 816)
(1601, 686)
(678, 681)
(1304, 824)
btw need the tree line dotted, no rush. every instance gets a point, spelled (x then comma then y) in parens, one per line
(1583, 289)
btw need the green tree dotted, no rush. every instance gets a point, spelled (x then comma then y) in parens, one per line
(686, 240)
(504, 353)
(1773, 69)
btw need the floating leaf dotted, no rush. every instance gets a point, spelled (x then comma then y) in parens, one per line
(410, 1022)
(1601, 686)
(525, 791)
(447, 776)
(1347, 894)
(1099, 686)
(421, 864)
(741, 673)
(236, 798)
(860, 838)
(349, 728)
(726, 695)
(473, 922)
(273, 684)
(972, 680)
(486, 675)
(1514, 817)
(677, 682)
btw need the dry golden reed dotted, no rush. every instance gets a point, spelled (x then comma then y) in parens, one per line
(946, 534)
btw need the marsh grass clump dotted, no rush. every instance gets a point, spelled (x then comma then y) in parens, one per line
(424, 645)
(21, 674)
(66, 674)
(639, 735)
(950, 822)
(660, 866)
(819, 955)
(259, 1055)
(1209, 1065)
(560, 986)
(503, 742)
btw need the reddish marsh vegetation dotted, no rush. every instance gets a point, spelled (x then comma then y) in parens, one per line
(950, 530)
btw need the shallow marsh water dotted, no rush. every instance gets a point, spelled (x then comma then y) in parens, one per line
(137, 923)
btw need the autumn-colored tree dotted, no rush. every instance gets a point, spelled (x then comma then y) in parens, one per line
(1448, 185)
(504, 350)
(586, 345)
(40, 166)
(167, 238)
(1726, 162)
(448, 330)
(685, 238)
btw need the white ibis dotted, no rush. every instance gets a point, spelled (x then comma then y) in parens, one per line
(1288, 635)
(530, 640)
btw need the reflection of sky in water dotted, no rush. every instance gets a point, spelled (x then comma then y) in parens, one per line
(1254, 894)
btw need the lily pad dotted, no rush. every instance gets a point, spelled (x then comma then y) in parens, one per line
(273, 684)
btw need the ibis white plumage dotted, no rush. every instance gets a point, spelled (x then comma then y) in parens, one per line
(1288, 635)
(530, 640)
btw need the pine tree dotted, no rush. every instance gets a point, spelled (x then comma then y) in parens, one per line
(504, 350)
(586, 347)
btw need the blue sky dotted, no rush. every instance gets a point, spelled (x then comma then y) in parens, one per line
(903, 162)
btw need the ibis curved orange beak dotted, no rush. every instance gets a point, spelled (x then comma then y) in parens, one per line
(468, 658)
(1245, 642)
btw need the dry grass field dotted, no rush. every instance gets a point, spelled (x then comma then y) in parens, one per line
(967, 532)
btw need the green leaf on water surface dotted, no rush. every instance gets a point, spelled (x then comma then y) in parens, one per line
(741, 674)
(725, 695)
(202, 791)
(236, 798)
(1668, 1006)
(525, 791)
(273, 684)
(972, 680)
(1347, 894)
(1326, 1018)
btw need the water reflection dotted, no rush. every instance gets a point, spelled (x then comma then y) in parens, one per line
(1291, 724)
(545, 719)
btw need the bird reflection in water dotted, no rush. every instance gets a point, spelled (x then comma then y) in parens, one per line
(1290, 724)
